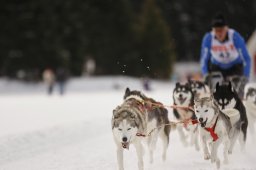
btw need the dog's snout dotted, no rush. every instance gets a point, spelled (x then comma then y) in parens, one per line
(201, 119)
(124, 139)
(180, 95)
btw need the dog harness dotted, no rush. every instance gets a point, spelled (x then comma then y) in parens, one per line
(212, 131)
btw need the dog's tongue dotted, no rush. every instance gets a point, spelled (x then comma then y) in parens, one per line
(125, 145)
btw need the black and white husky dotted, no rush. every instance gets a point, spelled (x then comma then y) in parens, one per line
(183, 98)
(137, 116)
(217, 127)
(227, 98)
(250, 105)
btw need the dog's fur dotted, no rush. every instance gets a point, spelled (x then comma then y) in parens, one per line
(250, 105)
(209, 115)
(138, 115)
(227, 97)
(183, 96)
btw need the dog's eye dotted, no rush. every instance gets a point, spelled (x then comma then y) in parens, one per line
(120, 129)
(197, 111)
(206, 111)
(129, 129)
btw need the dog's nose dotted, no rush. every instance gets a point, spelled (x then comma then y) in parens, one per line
(201, 119)
(124, 139)
(180, 95)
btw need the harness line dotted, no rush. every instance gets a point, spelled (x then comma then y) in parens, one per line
(143, 102)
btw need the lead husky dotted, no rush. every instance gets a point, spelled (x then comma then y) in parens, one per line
(183, 97)
(216, 128)
(250, 105)
(138, 116)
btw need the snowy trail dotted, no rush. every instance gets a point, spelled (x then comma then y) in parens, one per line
(38, 132)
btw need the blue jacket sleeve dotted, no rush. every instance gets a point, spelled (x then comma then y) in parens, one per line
(241, 47)
(205, 53)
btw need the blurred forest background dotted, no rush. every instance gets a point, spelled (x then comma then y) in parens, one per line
(123, 37)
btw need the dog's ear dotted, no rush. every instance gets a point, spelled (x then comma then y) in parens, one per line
(132, 115)
(230, 86)
(217, 86)
(177, 84)
(127, 91)
(116, 114)
(196, 98)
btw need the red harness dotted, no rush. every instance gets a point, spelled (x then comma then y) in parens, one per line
(211, 131)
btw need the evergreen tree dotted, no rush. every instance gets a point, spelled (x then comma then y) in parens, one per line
(156, 47)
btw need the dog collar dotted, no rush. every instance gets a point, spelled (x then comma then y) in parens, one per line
(212, 131)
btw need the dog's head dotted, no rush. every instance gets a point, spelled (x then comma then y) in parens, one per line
(182, 94)
(250, 95)
(197, 87)
(225, 96)
(205, 109)
(133, 93)
(125, 125)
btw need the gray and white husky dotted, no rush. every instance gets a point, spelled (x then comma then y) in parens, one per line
(217, 127)
(250, 105)
(137, 116)
(184, 97)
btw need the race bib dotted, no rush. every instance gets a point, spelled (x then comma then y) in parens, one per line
(224, 52)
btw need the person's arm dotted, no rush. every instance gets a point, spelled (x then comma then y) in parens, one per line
(205, 53)
(241, 47)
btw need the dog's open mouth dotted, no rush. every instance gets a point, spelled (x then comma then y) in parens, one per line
(125, 145)
(182, 99)
(203, 124)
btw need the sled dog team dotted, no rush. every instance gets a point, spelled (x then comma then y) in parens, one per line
(204, 120)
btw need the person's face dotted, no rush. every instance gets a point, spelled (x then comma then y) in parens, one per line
(220, 32)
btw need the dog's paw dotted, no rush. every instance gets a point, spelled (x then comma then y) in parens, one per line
(218, 163)
(164, 157)
(151, 160)
(229, 151)
(197, 148)
(213, 159)
(225, 161)
(184, 142)
(207, 156)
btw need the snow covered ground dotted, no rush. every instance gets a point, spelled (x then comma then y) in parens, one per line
(73, 132)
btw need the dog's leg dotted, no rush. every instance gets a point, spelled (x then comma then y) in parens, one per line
(214, 152)
(196, 136)
(152, 145)
(182, 135)
(242, 142)
(140, 152)
(205, 148)
(251, 128)
(120, 158)
(226, 146)
(165, 139)
(233, 139)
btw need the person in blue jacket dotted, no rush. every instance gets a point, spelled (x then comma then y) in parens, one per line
(224, 50)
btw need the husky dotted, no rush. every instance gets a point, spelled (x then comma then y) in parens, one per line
(227, 98)
(216, 127)
(250, 105)
(198, 88)
(183, 97)
(137, 117)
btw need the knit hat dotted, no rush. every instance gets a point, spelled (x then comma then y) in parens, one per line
(219, 20)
